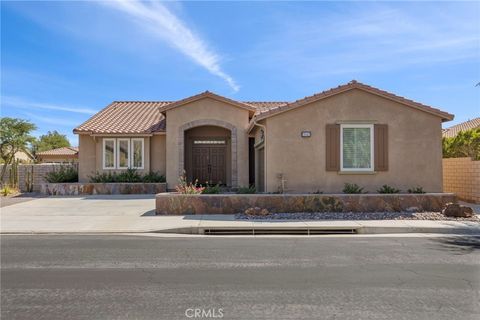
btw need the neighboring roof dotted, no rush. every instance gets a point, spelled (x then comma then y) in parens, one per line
(464, 126)
(207, 94)
(349, 86)
(146, 117)
(134, 117)
(64, 151)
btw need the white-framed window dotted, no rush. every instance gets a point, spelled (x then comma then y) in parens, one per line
(109, 152)
(123, 153)
(137, 153)
(356, 147)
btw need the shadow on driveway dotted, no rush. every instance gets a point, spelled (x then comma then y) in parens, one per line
(19, 198)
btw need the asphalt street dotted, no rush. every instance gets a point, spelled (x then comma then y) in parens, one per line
(138, 277)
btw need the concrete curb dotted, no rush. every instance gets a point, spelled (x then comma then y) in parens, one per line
(363, 230)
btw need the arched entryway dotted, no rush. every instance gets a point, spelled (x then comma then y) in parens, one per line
(209, 152)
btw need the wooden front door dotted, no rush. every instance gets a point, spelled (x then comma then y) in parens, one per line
(209, 164)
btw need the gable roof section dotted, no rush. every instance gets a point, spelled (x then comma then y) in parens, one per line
(132, 117)
(147, 117)
(64, 151)
(349, 86)
(464, 126)
(211, 95)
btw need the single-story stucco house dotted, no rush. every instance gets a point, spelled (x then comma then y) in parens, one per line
(59, 155)
(352, 133)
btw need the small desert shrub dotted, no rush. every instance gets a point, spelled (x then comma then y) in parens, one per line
(103, 177)
(7, 190)
(211, 189)
(129, 175)
(387, 189)
(185, 187)
(247, 190)
(61, 175)
(416, 190)
(154, 177)
(352, 188)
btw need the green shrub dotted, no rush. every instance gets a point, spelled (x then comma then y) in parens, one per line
(387, 189)
(103, 177)
(247, 190)
(464, 144)
(416, 190)
(129, 175)
(61, 175)
(154, 177)
(211, 189)
(352, 188)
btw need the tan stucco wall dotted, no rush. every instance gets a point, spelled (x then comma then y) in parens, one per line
(415, 152)
(57, 158)
(204, 109)
(86, 157)
(158, 151)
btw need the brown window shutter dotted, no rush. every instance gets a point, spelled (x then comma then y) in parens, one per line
(381, 147)
(332, 151)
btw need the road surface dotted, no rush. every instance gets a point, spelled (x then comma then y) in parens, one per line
(139, 277)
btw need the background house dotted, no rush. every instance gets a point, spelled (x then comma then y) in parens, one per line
(58, 155)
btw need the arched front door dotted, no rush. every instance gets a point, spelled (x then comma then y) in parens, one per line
(209, 161)
(208, 155)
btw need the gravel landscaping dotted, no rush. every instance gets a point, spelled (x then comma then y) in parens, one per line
(355, 216)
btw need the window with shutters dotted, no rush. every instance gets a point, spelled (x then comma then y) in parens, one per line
(356, 147)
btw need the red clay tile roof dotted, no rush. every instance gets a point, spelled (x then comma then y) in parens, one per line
(145, 117)
(464, 126)
(349, 86)
(207, 94)
(64, 151)
(134, 117)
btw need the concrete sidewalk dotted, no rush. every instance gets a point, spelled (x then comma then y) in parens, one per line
(135, 214)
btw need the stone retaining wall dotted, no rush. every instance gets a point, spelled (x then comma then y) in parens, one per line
(182, 204)
(462, 176)
(73, 189)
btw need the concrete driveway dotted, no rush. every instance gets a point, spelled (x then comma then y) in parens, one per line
(135, 213)
(101, 213)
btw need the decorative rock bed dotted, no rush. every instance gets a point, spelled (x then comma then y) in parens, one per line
(73, 189)
(427, 215)
(188, 204)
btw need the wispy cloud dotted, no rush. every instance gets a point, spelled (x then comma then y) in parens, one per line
(51, 120)
(371, 38)
(21, 103)
(159, 20)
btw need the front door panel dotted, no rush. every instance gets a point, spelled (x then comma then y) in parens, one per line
(217, 165)
(209, 164)
(200, 164)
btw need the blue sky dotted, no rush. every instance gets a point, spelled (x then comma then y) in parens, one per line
(63, 61)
